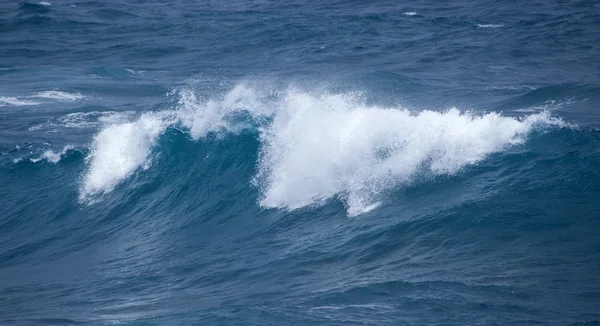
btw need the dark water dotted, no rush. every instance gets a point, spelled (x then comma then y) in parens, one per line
(299, 163)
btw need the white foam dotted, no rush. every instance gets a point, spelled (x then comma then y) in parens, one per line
(490, 25)
(410, 13)
(15, 101)
(118, 150)
(59, 96)
(315, 147)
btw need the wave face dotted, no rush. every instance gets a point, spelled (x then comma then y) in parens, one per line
(296, 163)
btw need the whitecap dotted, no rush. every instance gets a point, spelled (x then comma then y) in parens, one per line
(410, 13)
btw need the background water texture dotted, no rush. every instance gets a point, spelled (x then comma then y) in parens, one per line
(299, 163)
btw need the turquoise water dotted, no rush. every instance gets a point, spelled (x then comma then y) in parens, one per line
(298, 163)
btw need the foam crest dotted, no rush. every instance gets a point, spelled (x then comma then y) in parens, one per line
(118, 150)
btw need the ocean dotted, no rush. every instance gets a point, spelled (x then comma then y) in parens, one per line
(299, 162)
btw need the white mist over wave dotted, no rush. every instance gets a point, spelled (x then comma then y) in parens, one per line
(315, 147)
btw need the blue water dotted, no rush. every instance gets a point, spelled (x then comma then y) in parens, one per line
(299, 163)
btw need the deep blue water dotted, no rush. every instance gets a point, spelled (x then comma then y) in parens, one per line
(299, 163)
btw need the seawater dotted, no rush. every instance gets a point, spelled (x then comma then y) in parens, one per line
(299, 163)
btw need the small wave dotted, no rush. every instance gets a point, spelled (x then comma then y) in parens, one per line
(15, 101)
(59, 96)
(51, 156)
(35, 7)
(112, 72)
(47, 155)
(490, 25)
(83, 120)
(357, 152)
(510, 88)
(410, 13)
(550, 98)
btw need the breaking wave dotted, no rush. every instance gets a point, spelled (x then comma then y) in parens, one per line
(315, 147)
